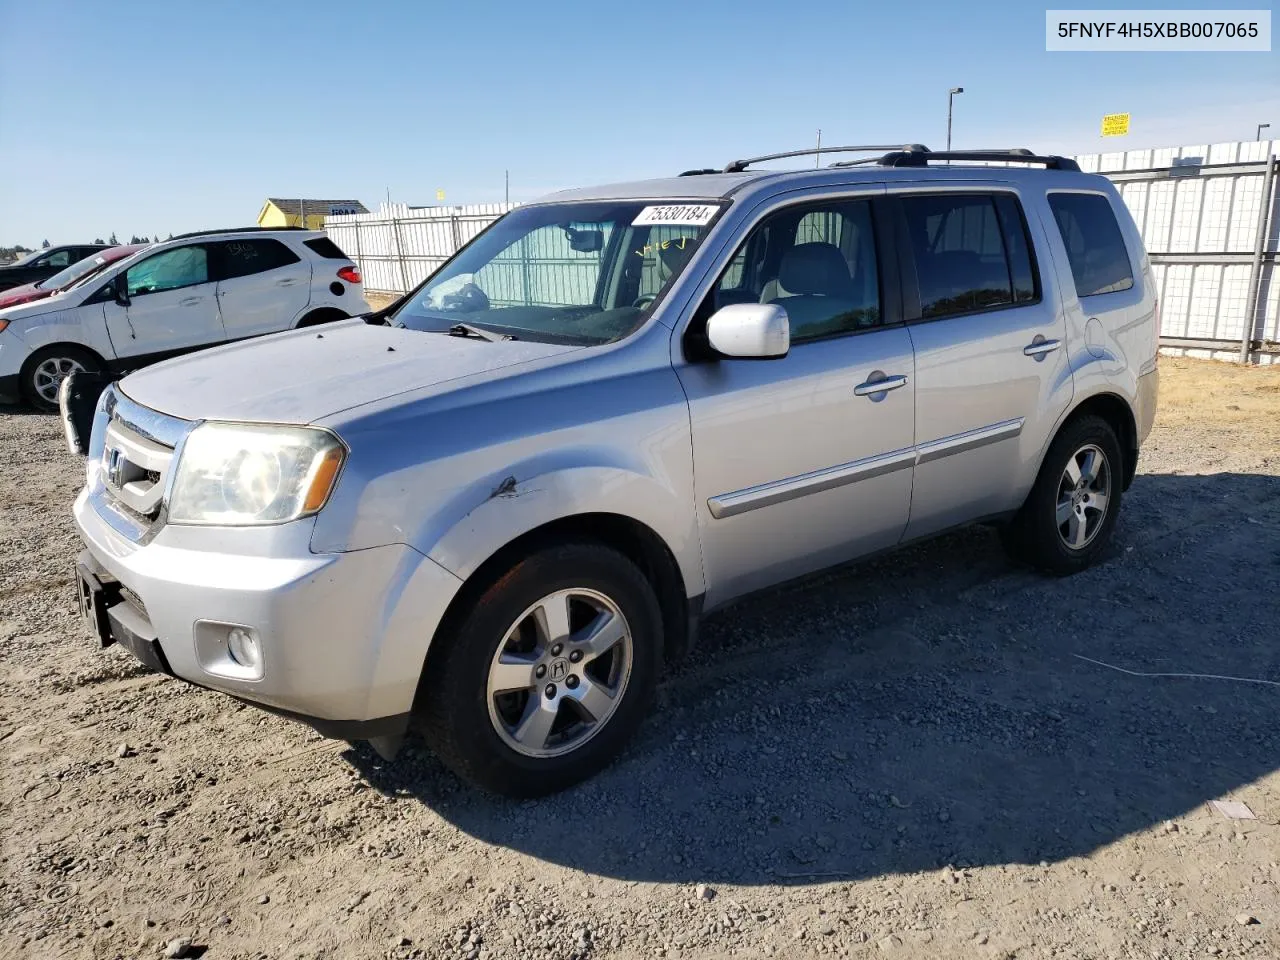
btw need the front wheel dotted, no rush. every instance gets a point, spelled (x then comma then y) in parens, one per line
(547, 675)
(44, 372)
(1068, 518)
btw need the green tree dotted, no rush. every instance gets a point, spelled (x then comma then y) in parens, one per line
(45, 245)
(113, 241)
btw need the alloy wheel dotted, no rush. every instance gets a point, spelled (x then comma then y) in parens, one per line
(559, 673)
(1084, 495)
(49, 374)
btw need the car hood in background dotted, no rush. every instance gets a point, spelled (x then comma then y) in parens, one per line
(34, 308)
(23, 294)
(303, 375)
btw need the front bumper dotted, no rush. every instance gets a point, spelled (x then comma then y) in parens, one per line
(344, 636)
(10, 390)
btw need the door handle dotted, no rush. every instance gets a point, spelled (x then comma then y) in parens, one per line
(1041, 348)
(191, 301)
(287, 282)
(879, 383)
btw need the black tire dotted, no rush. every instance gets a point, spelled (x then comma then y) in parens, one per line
(33, 378)
(1034, 536)
(453, 713)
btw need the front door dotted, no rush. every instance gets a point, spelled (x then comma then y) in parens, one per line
(170, 308)
(992, 369)
(799, 462)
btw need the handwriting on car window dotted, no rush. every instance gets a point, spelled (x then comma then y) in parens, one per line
(244, 251)
(654, 246)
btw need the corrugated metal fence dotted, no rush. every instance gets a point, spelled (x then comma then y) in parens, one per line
(1206, 212)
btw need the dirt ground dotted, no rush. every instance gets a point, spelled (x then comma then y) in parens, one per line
(932, 754)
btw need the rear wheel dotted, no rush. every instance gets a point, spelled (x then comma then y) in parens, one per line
(1068, 518)
(547, 675)
(45, 370)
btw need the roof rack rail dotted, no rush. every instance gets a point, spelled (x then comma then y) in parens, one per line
(922, 158)
(702, 171)
(737, 166)
(207, 233)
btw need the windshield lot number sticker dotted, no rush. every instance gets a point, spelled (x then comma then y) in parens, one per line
(691, 214)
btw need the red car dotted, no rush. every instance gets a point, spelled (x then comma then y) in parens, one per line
(67, 277)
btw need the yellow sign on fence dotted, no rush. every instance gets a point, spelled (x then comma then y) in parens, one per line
(1115, 125)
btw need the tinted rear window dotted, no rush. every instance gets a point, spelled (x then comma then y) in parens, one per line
(326, 248)
(240, 258)
(1095, 247)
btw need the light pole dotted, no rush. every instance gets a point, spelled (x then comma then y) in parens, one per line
(951, 95)
(1261, 127)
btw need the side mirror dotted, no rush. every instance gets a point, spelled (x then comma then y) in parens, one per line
(758, 331)
(118, 292)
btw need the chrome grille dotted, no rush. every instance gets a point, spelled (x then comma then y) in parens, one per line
(137, 455)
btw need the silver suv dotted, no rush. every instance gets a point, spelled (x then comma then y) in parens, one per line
(497, 510)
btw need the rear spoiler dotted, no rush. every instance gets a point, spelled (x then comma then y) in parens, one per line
(78, 397)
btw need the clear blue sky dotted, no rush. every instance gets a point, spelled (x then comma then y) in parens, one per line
(145, 116)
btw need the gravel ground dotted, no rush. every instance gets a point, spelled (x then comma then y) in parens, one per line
(907, 758)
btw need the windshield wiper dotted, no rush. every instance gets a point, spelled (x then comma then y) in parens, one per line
(467, 330)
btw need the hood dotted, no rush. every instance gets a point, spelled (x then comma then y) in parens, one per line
(23, 294)
(303, 375)
(49, 304)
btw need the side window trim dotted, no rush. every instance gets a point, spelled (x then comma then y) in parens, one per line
(910, 279)
(890, 280)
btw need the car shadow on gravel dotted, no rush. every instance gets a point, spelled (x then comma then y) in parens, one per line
(932, 707)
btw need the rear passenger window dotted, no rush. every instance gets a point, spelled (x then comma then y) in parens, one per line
(241, 258)
(1095, 248)
(326, 248)
(971, 253)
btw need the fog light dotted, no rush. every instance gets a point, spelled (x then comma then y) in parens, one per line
(244, 648)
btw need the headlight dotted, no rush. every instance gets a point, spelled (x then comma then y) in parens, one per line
(239, 474)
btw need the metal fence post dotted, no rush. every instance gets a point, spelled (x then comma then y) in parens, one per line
(364, 272)
(1254, 296)
(404, 275)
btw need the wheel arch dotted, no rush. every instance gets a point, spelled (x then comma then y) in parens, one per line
(634, 539)
(1118, 413)
(318, 315)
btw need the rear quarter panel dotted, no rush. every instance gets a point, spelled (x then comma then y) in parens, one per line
(1112, 336)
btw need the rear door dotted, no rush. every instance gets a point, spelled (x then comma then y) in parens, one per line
(992, 368)
(262, 285)
(170, 309)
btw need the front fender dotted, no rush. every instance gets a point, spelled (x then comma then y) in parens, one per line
(524, 500)
(66, 326)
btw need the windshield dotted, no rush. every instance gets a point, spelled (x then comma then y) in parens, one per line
(69, 275)
(583, 273)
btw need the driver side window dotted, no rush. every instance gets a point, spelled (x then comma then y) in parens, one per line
(817, 262)
(60, 259)
(170, 270)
